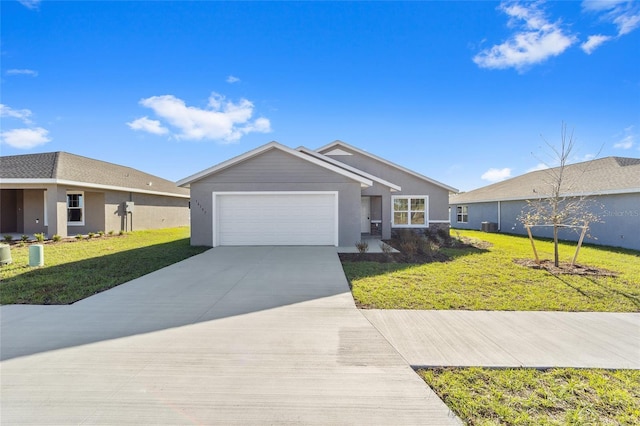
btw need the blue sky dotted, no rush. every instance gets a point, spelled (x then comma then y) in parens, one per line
(462, 92)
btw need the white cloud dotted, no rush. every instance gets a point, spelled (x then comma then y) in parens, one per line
(31, 4)
(496, 175)
(232, 79)
(31, 73)
(624, 14)
(627, 141)
(537, 167)
(593, 42)
(21, 114)
(221, 120)
(147, 125)
(25, 138)
(535, 40)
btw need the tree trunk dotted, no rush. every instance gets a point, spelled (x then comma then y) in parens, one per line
(556, 258)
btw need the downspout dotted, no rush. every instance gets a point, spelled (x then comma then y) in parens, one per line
(499, 215)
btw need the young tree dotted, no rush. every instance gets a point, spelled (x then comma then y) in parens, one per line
(558, 204)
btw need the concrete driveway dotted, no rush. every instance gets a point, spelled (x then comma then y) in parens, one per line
(252, 335)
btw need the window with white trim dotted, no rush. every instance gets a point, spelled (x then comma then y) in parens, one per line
(462, 214)
(75, 208)
(409, 211)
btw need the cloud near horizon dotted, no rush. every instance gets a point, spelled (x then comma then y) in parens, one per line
(221, 120)
(538, 167)
(628, 141)
(25, 138)
(535, 40)
(148, 125)
(496, 175)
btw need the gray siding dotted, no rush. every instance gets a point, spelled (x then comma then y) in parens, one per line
(620, 226)
(411, 185)
(477, 213)
(275, 170)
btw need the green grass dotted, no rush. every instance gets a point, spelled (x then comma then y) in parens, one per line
(561, 396)
(80, 268)
(488, 279)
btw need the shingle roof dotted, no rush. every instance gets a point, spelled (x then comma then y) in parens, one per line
(63, 166)
(603, 176)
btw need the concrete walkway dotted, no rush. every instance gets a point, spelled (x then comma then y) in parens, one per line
(251, 335)
(512, 339)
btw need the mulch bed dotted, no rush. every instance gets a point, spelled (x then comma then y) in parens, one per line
(392, 258)
(565, 268)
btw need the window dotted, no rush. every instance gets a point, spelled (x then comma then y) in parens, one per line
(75, 208)
(463, 214)
(409, 211)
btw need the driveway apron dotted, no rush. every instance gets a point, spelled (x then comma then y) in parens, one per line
(236, 335)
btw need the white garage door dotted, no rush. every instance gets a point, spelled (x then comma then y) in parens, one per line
(276, 218)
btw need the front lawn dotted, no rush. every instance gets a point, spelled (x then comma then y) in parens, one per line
(488, 278)
(78, 269)
(559, 396)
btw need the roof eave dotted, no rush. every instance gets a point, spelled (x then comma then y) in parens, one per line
(50, 181)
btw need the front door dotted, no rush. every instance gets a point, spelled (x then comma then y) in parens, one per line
(365, 215)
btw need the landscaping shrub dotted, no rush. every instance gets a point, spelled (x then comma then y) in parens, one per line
(39, 237)
(8, 238)
(362, 247)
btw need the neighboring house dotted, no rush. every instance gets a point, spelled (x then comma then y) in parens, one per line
(612, 182)
(65, 194)
(275, 195)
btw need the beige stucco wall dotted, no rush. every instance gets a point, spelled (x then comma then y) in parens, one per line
(33, 205)
(149, 212)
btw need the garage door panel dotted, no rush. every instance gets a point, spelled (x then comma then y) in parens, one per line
(276, 219)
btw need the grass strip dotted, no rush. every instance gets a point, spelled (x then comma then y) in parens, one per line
(559, 396)
(488, 278)
(78, 269)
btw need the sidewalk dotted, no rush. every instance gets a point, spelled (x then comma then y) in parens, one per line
(512, 339)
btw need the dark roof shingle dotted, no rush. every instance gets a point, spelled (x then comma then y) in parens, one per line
(75, 168)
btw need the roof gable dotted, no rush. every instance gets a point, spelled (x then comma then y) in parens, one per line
(342, 147)
(330, 160)
(186, 182)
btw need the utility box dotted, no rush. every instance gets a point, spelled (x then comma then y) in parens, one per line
(128, 206)
(5, 254)
(36, 255)
(489, 227)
